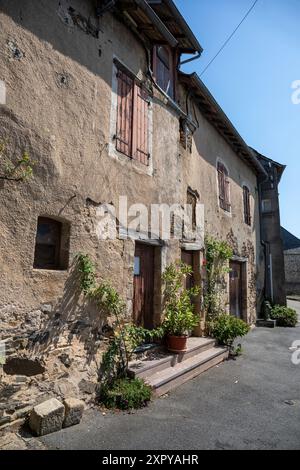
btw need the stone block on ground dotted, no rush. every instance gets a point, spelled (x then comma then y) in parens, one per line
(47, 417)
(73, 411)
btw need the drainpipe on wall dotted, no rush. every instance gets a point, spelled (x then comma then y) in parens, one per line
(271, 277)
(191, 59)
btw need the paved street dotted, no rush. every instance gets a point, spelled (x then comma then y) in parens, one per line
(251, 403)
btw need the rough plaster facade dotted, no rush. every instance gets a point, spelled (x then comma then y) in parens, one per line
(200, 173)
(59, 108)
(59, 79)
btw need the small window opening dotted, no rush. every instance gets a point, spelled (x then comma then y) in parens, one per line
(51, 245)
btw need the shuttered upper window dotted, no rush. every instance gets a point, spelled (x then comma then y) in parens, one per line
(224, 193)
(132, 118)
(247, 209)
(163, 66)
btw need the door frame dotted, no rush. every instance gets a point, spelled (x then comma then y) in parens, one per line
(157, 279)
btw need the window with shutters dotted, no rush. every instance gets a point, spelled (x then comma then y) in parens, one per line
(163, 67)
(247, 208)
(132, 118)
(224, 187)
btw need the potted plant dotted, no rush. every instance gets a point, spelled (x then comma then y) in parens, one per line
(179, 315)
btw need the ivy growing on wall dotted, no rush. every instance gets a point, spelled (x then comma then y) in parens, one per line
(218, 255)
(126, 337)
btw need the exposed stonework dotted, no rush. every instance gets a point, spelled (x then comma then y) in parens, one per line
(47, 417)
(292, 271)
(73, 411)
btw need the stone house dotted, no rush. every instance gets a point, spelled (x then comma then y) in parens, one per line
(291, 246)
(95, 96)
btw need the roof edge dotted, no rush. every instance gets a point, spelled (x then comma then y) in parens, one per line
(281, 167)
(184, 25)
(253, 160)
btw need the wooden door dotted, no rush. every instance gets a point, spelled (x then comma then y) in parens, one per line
(143, 285)
(236, 289)
(187, 257)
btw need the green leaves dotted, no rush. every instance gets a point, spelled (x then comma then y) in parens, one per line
(180, 318)
(12, 168)
(218, 254)
(227, 328)
(284, 316)
(217, 251)
(86, 270)
(126, 336)
(125, 394)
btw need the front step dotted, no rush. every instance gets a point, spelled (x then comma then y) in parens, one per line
(172, 377)
(163, 361)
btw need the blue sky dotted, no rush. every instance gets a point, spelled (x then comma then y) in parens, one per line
(252, 79)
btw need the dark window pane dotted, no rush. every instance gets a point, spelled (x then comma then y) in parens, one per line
(47, 248)
(164, 56)
(164, 70)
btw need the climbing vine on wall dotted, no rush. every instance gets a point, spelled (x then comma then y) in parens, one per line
(218, 255)
(125, 337)
(14, 168)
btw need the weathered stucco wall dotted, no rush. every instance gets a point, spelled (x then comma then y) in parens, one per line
(292, 271)
(58, 80)
(200, 169)
(58, 73)
(66, 128)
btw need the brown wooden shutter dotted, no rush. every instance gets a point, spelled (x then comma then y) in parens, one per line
(221, 185)
(224, 188)
(140, 148)
(124, 113)
(247, 209)
(227, 193)
(245, 204)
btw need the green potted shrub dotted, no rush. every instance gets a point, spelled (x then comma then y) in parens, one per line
(179, 315)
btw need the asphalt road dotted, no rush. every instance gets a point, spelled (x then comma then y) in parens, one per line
(250, 403)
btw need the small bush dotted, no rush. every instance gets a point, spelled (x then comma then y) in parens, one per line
(226, 328)
(125, 394)
(284, 316)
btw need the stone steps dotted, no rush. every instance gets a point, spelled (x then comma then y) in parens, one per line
(163, 360)
(168, 379)
(168, 371)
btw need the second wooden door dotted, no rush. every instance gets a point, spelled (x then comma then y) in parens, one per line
(143, 285)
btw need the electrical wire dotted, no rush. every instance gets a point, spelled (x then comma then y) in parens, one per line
(229, 38)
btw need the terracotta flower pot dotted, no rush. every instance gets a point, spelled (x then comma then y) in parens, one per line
(177, 344)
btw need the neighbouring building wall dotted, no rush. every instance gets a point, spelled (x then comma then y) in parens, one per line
(292, 271)
(271, 232)
(200, 173)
